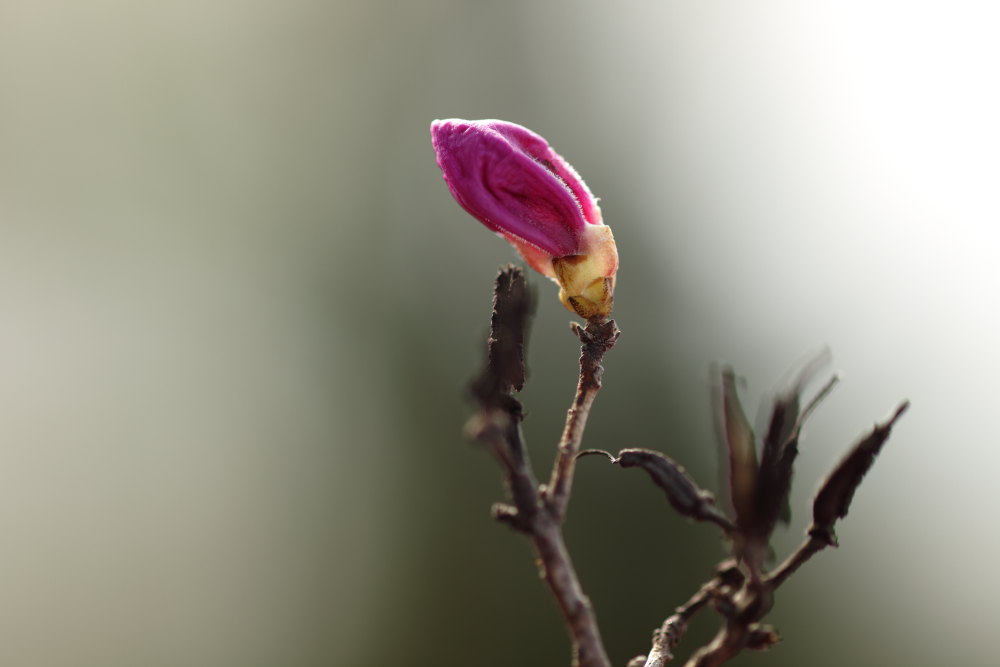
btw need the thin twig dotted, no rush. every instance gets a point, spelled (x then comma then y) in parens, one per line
(806, 550)
(668, 635)
(531, 517)
(729, 641)
(743, 609)
(560, 576)
(498, 425)
(728, 577)
(596, 339)
(502, 433)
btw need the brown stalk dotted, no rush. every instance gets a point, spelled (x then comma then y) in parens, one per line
(535, 512)
(596, 339)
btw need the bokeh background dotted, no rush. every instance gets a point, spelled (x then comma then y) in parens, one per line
(239, 309)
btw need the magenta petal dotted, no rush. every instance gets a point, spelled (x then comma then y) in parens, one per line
(509, 178)
(538, 149)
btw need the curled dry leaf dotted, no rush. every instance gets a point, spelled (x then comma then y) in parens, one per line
(835, 495)
(513, 305)
(682, 492)
(781, 447)
(739, 441)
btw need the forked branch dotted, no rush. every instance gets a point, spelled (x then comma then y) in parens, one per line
(535, 511)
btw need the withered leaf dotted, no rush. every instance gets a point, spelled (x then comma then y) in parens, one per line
(776, 460)
(513, 306)
(834, 497)
(781, 447)
(739, 441)
(682, 492)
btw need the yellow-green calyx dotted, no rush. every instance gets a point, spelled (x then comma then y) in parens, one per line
(587, 281)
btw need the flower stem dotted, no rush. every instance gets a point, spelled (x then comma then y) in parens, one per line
(596, 339)
(497, 425)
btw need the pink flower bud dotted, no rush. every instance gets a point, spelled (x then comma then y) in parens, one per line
(508, 178)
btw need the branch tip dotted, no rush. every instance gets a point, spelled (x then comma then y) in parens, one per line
(903, 407)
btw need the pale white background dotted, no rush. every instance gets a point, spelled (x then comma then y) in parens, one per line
(238, 308)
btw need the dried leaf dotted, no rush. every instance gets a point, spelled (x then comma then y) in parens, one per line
(781, 447)
(776, 460)
(513, 305)
(739, 440)
(682, 492)
(785, 413)
(835, 495)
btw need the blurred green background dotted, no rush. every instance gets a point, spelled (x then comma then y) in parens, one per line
(239, 310)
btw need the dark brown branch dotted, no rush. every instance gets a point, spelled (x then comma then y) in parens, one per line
(560, 576)
(753, 601)
(498, 426)
(667, 636)
(596, 339)
(808, 549)
(501, 432)
(555, 566)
